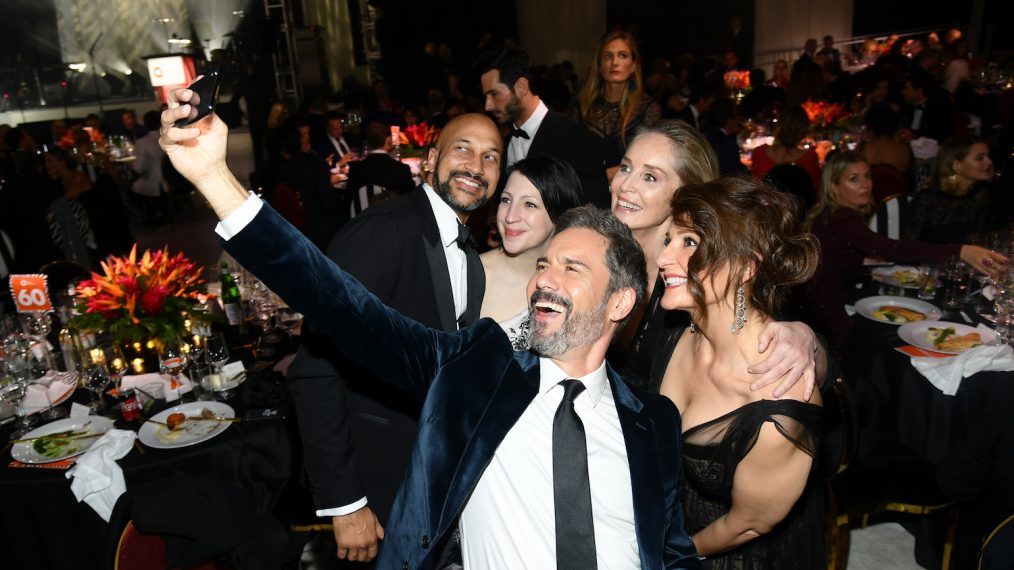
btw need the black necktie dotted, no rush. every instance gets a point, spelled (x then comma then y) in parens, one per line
(518, 133)
(465, 239)
(575, 534)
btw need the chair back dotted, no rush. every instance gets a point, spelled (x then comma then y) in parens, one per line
(61, 273)
(838, 446)
(890, 217)
(793, 179)
(998, 549)
(888, 181)
(365, 196)
(289, 204)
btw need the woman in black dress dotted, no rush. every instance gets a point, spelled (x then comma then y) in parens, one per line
(733, 249)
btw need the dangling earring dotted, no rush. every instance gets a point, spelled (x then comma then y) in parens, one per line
(737, 324)
(693, 327)
(952, 180)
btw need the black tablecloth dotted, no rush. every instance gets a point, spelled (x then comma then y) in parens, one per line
(43, 526)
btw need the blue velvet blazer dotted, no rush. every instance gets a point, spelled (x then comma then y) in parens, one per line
(474, 388)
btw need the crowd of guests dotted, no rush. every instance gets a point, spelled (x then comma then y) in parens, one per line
(703, 259)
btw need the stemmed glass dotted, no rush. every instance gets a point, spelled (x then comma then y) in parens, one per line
(38, 324)
(13, 392)
(172, 359)
(216, 350)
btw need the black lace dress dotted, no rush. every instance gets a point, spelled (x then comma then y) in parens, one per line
(711, 453)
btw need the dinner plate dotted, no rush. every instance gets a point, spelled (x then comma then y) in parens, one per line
(915, 334)
(48, 451)
(193, 432)
(908, 274)
(869, 307)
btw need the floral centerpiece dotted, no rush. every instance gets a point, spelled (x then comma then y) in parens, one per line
(417, 139)
(827, 119)
(138, 299)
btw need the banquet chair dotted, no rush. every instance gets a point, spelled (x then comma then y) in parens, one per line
(869, 490)
(61, 273)
(139, 551)
(792, 179)
(367, 196)
(997, 552)
(289, 204)
(891, 215)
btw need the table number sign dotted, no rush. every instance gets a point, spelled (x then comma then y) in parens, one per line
(30, 293)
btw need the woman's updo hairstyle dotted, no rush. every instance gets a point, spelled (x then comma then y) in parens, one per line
(746, 224)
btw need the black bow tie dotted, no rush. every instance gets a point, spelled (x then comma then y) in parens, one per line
(519, 133)
(465, 239)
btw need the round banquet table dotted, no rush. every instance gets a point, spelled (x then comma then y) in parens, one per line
(43, 526)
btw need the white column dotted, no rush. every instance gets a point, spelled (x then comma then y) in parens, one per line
(781, 27)
(561, 29)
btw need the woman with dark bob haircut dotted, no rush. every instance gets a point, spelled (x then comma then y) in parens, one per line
(538, 191)
(734, 249)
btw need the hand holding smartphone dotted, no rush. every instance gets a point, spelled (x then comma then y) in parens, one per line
(202, 103)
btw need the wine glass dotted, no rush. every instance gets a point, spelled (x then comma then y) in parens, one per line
(95, 379)
(172, 359)
(216, 350)
(38, 324)
(13, 392)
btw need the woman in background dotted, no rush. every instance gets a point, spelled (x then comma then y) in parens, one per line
(613, 100)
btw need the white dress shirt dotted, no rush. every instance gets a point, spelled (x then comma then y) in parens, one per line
(447, 224)
(341, 148)
(509, 520)
(517, 147)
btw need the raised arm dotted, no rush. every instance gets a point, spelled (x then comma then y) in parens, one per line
(398, 349)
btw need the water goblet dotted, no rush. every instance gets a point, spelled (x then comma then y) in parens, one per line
(13, 392)
(216, 350)
(172, 359)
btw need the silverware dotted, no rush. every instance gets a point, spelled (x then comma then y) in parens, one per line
(82, 436)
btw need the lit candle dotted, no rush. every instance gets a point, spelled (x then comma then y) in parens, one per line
(97, 356)
(137, 365)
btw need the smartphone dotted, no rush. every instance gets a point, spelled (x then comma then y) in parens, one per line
(205, 96)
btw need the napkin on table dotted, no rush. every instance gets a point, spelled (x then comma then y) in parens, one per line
(946, 373)
(924, 148)
(53, 385)
(171, 393)
(98, 480)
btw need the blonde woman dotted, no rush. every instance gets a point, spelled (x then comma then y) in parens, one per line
(613, 100)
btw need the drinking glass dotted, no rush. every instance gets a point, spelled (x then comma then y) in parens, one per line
(38, 324)
(208, 381)
(13, 392)
(956, 285)
(172, 359)
(216, 350)
(95, 379)
(115, 361)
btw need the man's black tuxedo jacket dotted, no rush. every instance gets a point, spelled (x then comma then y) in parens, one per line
(357, 432)
(381, 170)
(570, 142)
(474, 388)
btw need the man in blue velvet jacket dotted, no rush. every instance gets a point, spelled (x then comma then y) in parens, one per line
(481, 468)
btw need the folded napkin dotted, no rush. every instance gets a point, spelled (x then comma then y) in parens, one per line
(98, 480)
(946, 373)
(173, 391)
(51, 388)
(924, 148)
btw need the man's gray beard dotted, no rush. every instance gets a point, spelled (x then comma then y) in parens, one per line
(579, 329)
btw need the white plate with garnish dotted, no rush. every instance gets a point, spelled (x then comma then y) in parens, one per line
(61, 439)
(946, 337)
(897, 310)
(200, 423)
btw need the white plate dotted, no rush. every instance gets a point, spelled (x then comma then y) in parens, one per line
(915, 334)
(26, 452)
(888, 275)
(870, 305)
(193, 432)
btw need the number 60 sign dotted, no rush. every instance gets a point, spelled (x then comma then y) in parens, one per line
(30, 293)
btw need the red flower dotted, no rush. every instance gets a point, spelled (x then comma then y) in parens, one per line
(129, 284)
(153, 299)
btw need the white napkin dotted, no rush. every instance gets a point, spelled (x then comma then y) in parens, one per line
(98, 480)
(946, 373)
(924, 148)
(53, 384)
(170, 395)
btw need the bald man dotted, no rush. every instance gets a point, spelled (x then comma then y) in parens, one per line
(358, 432)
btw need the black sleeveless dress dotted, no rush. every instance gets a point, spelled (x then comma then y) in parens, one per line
(711, 453)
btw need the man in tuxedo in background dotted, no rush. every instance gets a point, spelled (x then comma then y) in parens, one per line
(927, 111)
(701, 98)
(513, 100)
(377, 172)
(333, 145)
(357, 432)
